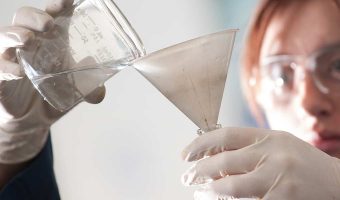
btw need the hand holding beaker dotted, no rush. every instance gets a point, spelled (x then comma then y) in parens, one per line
(25, 118)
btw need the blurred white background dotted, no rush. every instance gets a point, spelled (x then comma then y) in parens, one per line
(128, 147)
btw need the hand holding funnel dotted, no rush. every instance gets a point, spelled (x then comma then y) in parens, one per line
(192, 75)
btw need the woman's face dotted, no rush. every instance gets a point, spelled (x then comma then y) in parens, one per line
(303, 107)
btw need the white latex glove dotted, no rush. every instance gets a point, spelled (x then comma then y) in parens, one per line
(25, 118)
(258, 163)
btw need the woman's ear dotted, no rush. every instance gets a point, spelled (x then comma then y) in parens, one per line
(253, 77)
(254, 83)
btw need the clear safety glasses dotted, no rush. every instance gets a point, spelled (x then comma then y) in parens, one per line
(280, 74)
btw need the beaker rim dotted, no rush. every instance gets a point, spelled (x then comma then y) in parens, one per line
(128, 33)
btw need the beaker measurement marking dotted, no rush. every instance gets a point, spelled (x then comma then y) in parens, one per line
(91, 20)
(96, 58)
(84, 24)
(76, 28)
(83, 37)
(81, 12)
(97, 36)
(104, 54)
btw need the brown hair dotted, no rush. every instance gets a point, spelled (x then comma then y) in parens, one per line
(265, 11)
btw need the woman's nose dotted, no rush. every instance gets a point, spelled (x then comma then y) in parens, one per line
(311, 99)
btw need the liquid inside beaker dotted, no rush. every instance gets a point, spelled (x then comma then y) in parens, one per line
(75, 84)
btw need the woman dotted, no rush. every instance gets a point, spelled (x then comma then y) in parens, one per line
(291, 76)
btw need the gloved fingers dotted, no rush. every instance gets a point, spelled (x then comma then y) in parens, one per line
(276, 196)
(249, 185)
(56, 6)
(10, 71)
(96, 96)
(210, 195)
(33, 19)
(12, 36)
(9, 54)
(205, 195)
(221, 165)
(221, 140)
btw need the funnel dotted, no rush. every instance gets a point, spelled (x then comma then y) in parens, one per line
(192, 75)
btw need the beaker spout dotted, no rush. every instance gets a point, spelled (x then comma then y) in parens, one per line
(192, 75)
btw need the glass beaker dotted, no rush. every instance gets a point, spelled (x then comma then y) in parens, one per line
(89, 43)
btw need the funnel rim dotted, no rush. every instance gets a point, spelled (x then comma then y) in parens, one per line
(186, 41)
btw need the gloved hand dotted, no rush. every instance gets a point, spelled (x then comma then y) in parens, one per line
(258, 163)
(25, 118)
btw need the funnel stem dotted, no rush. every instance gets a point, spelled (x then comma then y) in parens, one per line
(201, 132)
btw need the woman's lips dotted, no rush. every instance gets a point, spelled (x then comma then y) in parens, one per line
(328, 142)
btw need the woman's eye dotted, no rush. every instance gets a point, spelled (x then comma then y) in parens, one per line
(335, 69)
(283, 76)
(328, 66)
